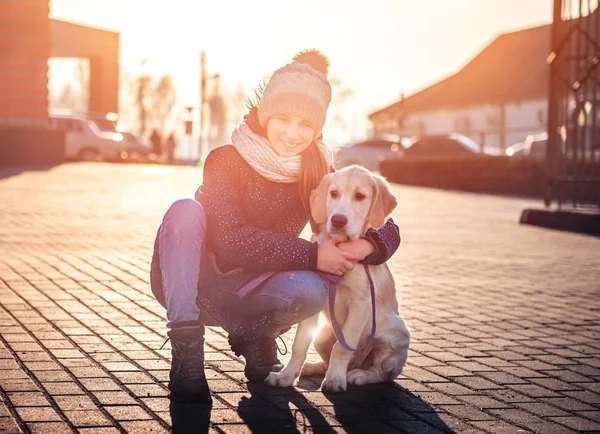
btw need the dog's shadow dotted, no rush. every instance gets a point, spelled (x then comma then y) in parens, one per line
(366, 409)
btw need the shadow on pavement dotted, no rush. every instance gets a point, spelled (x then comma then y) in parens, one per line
(385, 408)
(10, 171)
(190, 417)
(381, 408)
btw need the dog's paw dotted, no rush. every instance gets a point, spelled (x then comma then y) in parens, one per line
(334, 384)
(282, 378)
(314, 368)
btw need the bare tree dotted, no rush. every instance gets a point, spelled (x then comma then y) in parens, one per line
(342, 95)
(142, 86)
(236, 104)
(161, 101)
(66, 99)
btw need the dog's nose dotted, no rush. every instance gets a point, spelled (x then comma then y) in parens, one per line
(339, 221)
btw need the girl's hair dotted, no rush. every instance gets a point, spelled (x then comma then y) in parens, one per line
(312, 170)
(313, 167)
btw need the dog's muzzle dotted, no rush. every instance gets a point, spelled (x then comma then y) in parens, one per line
(338, 221)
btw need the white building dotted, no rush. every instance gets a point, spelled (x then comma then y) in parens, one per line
(497, 99)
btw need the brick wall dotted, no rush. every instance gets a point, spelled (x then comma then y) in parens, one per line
(24, 52)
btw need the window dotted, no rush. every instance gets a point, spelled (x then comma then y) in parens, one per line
(492, 120)
(462, 124)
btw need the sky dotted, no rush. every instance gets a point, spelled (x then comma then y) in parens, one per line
(378, 48)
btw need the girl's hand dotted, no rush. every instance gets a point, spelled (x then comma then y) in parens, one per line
(361, 247)
(332, 259)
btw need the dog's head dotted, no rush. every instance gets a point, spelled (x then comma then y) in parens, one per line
(350, 201)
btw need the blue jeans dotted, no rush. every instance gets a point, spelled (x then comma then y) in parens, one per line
(289, 296)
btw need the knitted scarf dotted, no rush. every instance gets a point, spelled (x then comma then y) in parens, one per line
(259, 154)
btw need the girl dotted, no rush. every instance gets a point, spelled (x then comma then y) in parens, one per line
(211, 254)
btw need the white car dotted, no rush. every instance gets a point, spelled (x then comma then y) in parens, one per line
(371, 152)
(84, 141)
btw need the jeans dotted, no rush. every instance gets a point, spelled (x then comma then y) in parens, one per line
(287, 297)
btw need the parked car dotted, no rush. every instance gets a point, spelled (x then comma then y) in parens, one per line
(533, 145)
(369, 153)
(136, 148)
(105, 121)
(442, 145)
(84, 141)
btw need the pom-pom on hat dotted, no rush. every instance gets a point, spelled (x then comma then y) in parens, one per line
(300, 88)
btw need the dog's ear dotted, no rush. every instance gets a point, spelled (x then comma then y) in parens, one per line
(383, 203)
(318, 200)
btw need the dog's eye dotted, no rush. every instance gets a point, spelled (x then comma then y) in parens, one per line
(359, 196)
(334, 194)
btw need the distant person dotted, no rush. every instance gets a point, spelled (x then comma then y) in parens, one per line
(171, 144)
(156, 142)
(247, 217)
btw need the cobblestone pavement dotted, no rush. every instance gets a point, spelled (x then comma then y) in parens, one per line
(505, 318)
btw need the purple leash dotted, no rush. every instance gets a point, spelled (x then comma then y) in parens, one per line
(333, 283)
(334, 280)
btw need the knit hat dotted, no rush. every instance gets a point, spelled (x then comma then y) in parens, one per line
(300, 88)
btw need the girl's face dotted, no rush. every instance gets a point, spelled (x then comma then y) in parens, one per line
(289, 135)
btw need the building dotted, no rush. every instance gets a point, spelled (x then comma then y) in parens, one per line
(28, 39)
(498, 98)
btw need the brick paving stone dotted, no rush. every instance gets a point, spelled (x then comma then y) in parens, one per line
(37, 414)
(511, 344)
(509, 396)
(28, 399)
(533, 390)
(436, 398)
(143, 427)
(448, 371)
(75, 402)
(497, 427)
(568, 404)
(473, 366)
(49, 428)
(63, 388)
(422, 375)
(593, 415)
(477, 383)
(83, 418)
(482, 401)
(541, 409)
(127, 412)
(162, 404)
(53, 376)
(467, 412)
(585, 396)
(414, 426)
(577, 423)
(98, 430)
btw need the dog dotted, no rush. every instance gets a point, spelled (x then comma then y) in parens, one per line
(344, 205)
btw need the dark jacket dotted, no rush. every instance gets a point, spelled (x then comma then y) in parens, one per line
(253, 223)
(253, 226)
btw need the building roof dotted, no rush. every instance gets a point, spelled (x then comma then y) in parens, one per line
(511, 68)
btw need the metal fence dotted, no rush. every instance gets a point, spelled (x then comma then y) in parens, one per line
(573, 154)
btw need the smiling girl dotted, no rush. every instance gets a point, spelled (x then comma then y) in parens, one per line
(211, 253)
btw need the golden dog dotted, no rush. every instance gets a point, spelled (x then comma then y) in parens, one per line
(344, 205)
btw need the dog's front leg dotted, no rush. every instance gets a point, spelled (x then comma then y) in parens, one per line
(335, 377)
(302, 340)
